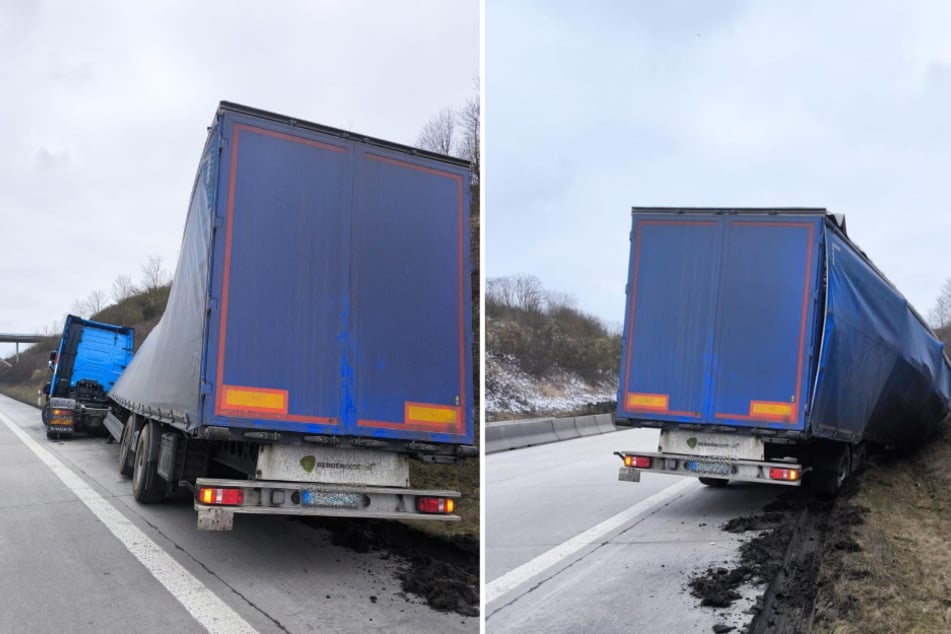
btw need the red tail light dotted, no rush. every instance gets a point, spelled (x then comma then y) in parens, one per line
(222, 497)
(640, 462)
(435, 505)
(776, 473)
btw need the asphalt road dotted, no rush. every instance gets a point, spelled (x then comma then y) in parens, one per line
(569, 548)
(77, 555)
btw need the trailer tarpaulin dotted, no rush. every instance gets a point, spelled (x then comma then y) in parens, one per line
(166, 371)
(883, 374)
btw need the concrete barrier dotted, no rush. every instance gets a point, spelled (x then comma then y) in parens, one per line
(587, 425)
(565, 428)
(605, 423)
(516, 434)
(495, 438)
(537, 432)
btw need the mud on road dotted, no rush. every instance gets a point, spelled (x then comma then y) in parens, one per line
(787, 544)
(443, 571)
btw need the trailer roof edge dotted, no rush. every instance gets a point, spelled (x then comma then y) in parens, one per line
(230, 106)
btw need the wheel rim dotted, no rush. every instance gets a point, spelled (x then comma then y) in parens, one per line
(124, 447)
(843, 471)
(140, 457)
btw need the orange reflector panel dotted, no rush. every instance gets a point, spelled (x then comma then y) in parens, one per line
(426, 413)
(770, 408)
(255, 399)
(791, 475)
(659, 402)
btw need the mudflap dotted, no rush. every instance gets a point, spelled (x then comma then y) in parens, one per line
(215, 519)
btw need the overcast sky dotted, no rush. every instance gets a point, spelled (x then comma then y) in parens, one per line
(594, 107)
(105, 107)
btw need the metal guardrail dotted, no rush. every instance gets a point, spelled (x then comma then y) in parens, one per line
(516, 434)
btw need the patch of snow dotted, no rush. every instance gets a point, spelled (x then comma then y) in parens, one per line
(510, 391)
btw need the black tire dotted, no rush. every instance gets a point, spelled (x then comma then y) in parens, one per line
(126, 456)
(46, 414)
(716, 483)
(833, 466)
(147, 486)
(859, 457)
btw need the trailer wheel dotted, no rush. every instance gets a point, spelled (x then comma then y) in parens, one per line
(125, 449)
(714, 482)
(859, 456)
(46, 414)
(147, 486)
(832, 468)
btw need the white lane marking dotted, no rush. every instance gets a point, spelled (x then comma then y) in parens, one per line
(516, 577)
(203, 604)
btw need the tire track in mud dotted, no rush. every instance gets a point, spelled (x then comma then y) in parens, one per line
(793, 535)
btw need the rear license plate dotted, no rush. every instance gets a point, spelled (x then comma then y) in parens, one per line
(629, 474)
(336, 499)
(61, 422)
(715, 468)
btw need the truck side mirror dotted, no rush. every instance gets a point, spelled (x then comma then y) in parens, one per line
(52, 359)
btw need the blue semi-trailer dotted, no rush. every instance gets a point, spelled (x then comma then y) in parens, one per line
(317, 334)
(90, 357)
(766, 346)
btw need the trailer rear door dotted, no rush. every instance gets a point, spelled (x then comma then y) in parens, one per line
(343, 285)
(720, 325)
(281, 274)
(410, 297)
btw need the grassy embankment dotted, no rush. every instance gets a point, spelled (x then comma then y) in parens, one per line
(899, 578)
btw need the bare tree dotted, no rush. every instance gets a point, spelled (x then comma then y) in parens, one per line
(123, 288)
(153, 275)
(940, 314)
(88, 307)
(559, 300)
(519, 291)
(469, 122)
(502, 291)
(54, 328)
(438, 134)
(96, 301)
(80, 308)
(529, 293)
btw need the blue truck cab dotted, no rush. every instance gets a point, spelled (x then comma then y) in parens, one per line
(90, 357)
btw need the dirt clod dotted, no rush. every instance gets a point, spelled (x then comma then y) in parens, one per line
(761, 556)
(442, 571)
